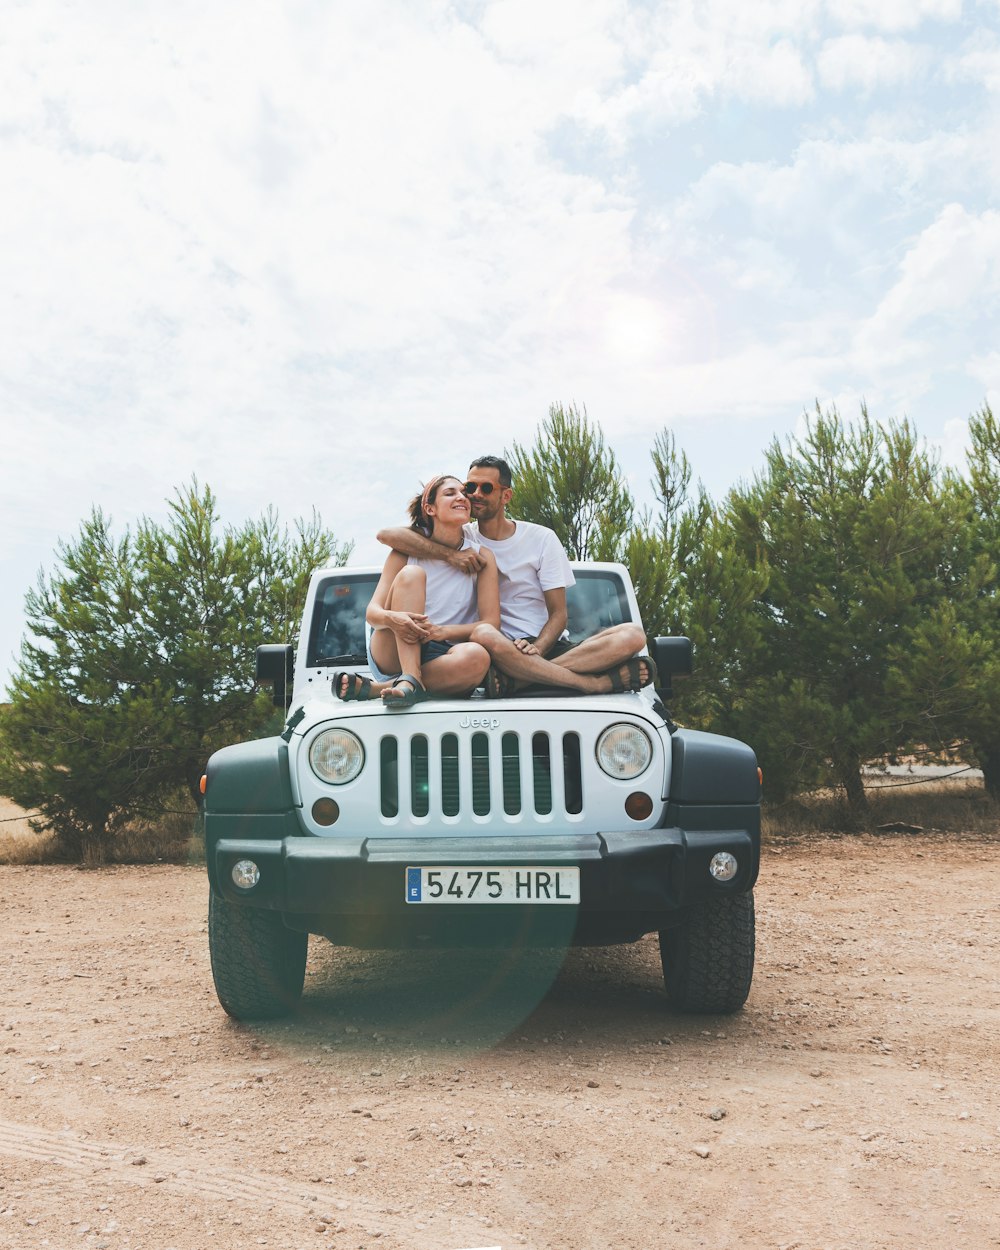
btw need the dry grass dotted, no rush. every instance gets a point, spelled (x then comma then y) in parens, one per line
(174, 838)
(953, 806)
(19, 844)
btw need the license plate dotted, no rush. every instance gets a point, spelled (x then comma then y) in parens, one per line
(493, 885)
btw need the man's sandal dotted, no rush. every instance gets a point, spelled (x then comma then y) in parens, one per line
(416, 693)
(359, 690)
(634, 669)
(497, 685)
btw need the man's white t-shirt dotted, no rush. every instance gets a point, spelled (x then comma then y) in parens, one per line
(530, 562)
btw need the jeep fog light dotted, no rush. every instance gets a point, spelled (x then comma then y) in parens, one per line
(245, 874)
(336, 756)
(723, 866)
(624, 751)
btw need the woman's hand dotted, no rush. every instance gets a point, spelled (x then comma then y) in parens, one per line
(439, 633)
(410, 626)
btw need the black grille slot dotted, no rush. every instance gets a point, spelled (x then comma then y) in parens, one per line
(419, 780)
(541, 770)
(572, 774)
(510, 750)
(388, 763)
(450, 787)
(480, 774)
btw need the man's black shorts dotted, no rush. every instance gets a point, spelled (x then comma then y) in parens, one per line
(558, 648)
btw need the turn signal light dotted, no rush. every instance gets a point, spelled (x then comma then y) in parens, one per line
(639, 806)
(204, 782)
(325, 812)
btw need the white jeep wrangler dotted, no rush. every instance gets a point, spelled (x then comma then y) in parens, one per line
(551, 818)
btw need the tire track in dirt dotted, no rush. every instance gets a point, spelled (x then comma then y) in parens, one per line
(137, 1167)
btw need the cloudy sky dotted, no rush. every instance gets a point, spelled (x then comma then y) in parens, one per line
(315, 252)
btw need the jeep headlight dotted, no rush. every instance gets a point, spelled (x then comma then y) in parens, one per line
(336, 756)
(624, 751)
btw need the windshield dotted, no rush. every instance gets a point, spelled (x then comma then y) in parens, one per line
(337, 635)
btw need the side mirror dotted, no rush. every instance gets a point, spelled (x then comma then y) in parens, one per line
(276, 667)
(673, 657)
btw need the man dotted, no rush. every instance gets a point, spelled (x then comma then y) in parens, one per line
(531, 647)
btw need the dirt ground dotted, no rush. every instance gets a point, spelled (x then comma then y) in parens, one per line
(428, 1102)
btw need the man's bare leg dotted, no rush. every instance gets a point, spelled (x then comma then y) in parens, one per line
(604, 650)
(533, 670)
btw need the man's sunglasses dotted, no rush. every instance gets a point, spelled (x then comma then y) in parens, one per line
(470, 488)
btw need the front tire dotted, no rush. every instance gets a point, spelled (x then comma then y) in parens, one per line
(708, 958)
(258, 964)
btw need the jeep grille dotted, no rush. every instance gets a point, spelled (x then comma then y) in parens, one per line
(513, 773)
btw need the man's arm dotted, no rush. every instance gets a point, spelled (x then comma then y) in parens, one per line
(555, 601)
(410, 543)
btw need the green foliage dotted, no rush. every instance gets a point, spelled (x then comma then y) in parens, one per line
(571, 482)
(138, 662)
(857, 537)
(948, 672)
(983, 725)
(690, 579)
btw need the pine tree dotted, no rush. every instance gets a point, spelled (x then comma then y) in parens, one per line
(139, 662)
(854, 531)
(947, 670)
(571, 482)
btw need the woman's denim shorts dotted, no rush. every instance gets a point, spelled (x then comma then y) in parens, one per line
(428, 651)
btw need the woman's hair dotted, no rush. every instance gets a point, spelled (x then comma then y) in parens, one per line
(419, 520)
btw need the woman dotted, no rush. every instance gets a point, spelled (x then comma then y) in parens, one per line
(423, 612)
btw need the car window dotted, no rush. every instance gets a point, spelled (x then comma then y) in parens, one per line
(337, 635)
(596, 601)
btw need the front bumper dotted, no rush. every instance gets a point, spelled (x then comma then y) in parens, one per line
(352, 889)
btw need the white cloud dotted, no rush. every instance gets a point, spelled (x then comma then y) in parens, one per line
(985, 369)
(822, 175)
(870, 62)
(685, 59)
(893, 15)
(952, 270)
(979, 61)
(757, 265)
(953, 444)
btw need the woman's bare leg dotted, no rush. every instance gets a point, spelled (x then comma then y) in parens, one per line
(408, 593)
(459, 672)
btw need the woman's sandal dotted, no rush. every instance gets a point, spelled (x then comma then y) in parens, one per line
(497, 685)
(634, 668)
(358, 691)
(416, 693)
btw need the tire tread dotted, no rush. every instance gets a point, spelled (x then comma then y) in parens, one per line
(708, 959)
(258, 964)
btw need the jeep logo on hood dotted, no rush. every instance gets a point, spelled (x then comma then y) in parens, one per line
(479, 722)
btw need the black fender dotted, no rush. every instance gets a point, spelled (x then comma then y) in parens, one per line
(248, 794)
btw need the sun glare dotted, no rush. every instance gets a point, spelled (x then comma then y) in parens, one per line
(637, 329)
